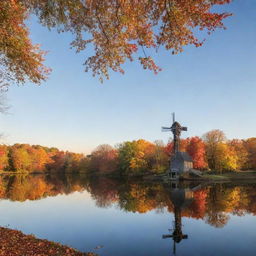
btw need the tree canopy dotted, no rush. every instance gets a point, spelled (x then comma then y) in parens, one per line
(118, 30)
(20, 60)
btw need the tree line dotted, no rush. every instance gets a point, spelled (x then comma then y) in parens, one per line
(35, 158)
(212, 151)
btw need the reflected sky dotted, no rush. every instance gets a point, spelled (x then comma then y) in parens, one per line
(76, 220)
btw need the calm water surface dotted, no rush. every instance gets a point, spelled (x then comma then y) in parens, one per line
(113, 217)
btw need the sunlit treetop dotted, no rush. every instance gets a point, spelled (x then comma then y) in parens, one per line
(121, 30)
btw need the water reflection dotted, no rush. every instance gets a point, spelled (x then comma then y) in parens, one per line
(105, 211)
(181, 198)
(211, 202)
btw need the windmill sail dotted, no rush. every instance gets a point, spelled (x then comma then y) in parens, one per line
(166, 129)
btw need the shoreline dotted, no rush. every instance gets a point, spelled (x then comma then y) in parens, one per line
(234, 176)
(15, 242)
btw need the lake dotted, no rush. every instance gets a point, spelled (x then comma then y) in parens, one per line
(130, 217)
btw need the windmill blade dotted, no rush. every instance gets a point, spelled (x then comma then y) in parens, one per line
(173, 117)
(184, 128)
(166, 236)
(166, 129)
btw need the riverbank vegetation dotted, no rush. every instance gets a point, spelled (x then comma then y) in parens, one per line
(211, 152)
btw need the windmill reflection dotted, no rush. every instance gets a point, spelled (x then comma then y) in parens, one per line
(181, 199)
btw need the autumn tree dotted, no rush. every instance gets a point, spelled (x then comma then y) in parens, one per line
(73, 162)
(222, 154)
(39, 158)
(58, 161)
(20, 60)
(228, 158)
(135, 156)
(160, 158)
(196, 149)
(238, 147)
(19, 158)
(4, 162)
(250, 145)
(117, 30)
(104, 159)
(214, 148)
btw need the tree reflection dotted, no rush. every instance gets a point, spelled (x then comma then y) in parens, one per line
(212, 203)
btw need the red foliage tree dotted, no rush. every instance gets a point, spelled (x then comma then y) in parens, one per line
(104, 159)
(196, 149)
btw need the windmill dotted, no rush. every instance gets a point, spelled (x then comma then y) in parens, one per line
(180, 162)
(176, 129)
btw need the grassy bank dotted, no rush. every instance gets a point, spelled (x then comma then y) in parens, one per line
(231, 176)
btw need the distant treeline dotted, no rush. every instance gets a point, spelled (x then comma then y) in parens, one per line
(35, 158)
(211, 152)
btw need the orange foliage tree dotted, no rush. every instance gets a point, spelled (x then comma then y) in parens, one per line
(239, 148)
(20, 160)
(20, 60)
(118, 30)
(4, 163)
(35, 158)
(250, 145)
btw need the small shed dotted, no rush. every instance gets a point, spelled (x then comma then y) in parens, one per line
(181, 163)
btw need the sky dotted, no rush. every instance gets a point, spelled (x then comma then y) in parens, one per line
(210, 87)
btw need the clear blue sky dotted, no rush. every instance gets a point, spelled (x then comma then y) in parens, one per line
(211, 87)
